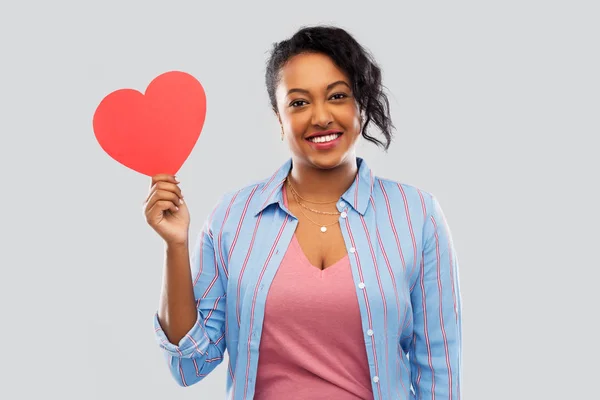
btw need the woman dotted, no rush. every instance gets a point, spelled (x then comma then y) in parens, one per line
(346, 284)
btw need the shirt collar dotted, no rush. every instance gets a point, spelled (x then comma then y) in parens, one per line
(357, 196)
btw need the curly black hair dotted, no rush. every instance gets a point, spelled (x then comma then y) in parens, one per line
(349, 56)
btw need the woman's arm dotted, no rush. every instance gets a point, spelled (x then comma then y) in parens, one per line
(192, 312)
(177, 310)
(437, 344)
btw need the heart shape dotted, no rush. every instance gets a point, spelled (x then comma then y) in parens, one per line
(155, 132)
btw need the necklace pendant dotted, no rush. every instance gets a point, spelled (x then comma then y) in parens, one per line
(323, 229)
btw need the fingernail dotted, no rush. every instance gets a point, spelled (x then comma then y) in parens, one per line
(176, 208)
(180, 201)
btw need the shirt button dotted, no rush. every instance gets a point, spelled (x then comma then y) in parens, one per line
(342, 204)
(361, 285)
(375, 379)
(370, 332)
(352, 250)
(344, 215)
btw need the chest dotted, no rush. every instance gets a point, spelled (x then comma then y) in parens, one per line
(322, 249)
(382, 255)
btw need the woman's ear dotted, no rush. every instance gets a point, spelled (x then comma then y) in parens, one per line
(280, 123)
(279, 119)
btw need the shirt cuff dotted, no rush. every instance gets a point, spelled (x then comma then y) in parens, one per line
(194, 343)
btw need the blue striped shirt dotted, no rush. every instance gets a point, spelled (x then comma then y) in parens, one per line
(403, 263)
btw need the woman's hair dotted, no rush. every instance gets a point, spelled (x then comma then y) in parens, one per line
(352, 58)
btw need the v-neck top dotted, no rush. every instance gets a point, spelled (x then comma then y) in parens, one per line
(312, 345)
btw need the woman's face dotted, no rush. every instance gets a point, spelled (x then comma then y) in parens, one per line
(317, 110)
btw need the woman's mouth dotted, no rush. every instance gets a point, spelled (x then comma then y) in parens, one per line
(326, 141)
(326, 138)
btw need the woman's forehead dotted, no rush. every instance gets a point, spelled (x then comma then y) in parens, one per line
(312, 71)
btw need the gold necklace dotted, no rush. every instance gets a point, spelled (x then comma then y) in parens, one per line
(296, 195)
(312, 209)
(323, 227)
(308, 201)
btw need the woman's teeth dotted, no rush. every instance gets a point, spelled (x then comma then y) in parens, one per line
(324, 139)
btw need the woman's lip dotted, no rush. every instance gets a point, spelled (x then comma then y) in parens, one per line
(326, 145)
(324, 133)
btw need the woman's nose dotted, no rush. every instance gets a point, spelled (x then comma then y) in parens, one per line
(321, 116)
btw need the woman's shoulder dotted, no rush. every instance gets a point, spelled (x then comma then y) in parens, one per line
(387, 187)
(403, 198)
(236, 203)
(244, 193)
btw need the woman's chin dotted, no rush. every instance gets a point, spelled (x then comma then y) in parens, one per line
(328, 160)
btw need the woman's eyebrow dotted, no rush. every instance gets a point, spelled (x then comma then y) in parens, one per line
(331, 85)
(338, 83)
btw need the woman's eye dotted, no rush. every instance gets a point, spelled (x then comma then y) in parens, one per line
(339, 96)
(296, 103)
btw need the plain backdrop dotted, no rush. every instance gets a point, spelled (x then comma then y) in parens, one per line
(496, 106)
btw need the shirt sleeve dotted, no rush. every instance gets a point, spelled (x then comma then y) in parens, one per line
(435, 355)
(203, 347)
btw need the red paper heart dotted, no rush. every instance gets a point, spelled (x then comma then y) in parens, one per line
(155, 132)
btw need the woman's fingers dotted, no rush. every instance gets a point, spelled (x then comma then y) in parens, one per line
(165, 186)
(163, 195)
(164, 178)
(160, 207)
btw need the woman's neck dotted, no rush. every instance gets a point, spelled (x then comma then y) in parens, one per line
(322, 185)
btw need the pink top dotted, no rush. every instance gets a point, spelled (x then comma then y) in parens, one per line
(312, 344)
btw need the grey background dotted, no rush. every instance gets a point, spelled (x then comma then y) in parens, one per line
(496, 106)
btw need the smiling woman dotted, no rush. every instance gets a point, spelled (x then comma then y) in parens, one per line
(322, 280)
(317, 109)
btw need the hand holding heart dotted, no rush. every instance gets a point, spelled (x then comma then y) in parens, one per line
(166, 211)
(154, 133)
